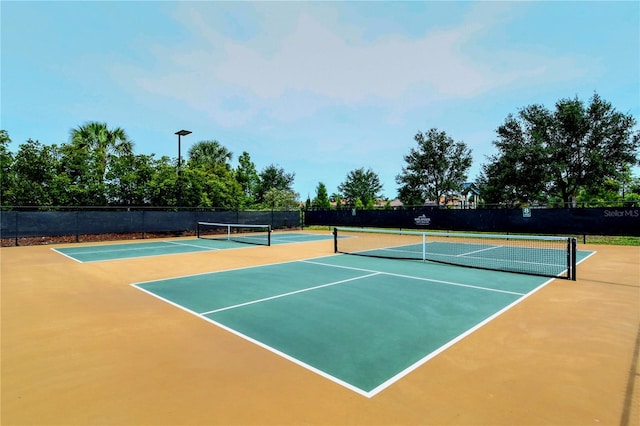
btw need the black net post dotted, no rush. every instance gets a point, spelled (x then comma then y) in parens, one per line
(335, 240)
(574, 249)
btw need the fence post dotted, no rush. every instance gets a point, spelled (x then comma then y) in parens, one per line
(17, 229)
(574, 249)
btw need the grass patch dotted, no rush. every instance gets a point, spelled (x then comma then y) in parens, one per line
(608, 240)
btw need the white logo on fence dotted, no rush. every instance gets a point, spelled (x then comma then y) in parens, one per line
(422, 220)
(622, 213)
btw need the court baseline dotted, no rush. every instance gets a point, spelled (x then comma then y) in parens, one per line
(360, 322)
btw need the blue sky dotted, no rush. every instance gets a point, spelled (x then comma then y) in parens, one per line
(316, 88)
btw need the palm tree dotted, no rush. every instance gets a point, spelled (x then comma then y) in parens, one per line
(210, 154)
(101, 144)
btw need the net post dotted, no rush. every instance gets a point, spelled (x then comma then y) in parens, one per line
(335, 240)
(198, 230)
(568, 255)
(574, 249)
(269, 236)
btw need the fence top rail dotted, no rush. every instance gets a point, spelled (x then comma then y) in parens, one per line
(454, 234)
(136, 208)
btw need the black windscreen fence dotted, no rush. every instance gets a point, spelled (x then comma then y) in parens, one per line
(581, 221)
(25, 224)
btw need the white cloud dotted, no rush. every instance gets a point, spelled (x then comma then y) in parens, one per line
(314, 59)
(310, 62)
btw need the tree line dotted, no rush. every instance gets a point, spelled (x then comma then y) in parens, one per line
(576, 152)
(98, 167)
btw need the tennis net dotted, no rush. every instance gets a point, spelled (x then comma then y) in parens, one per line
(238, 232)
(534, 255)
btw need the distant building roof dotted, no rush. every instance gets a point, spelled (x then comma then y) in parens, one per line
(470, 187)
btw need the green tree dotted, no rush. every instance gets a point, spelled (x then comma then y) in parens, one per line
(211, 188)
(436, 168)
(634, 188)
(338, 200)
(7, 179)
(209, 154)
(102, 145)
(34, 170)
(247, 177)
(370, 204)
(574, 147)
(78, 186)
(613, 192)
(163, 186)
(276, 178)
(360, 184)
(276, 198)
(322, 197)
(209, 180)
(513, 177)
(129, 178)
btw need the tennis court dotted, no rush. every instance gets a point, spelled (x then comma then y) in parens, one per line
(297, 334)
(102, 252)
(363, 323)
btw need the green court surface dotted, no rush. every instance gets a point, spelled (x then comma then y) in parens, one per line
(361, 322)
(96, 253)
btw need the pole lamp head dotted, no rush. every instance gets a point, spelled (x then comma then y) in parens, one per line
(180, 133)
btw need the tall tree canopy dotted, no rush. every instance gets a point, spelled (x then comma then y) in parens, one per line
(6, 162)
(436, 168)
(247, 177)
(361, 185)
(99, 145)
(34, 173)
(273, 178)
(102, 142)
(322, 197)
(544, 154)
(209, 154)
(98, 168)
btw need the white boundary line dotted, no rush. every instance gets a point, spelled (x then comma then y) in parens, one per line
(204, 249)
(250, 339)
(453, 341)
(433, 256)
(279, 296)
(178, 243)
(292, 239)
(478, 251)
(370, 273)
(418, 278)
(66, 255)
(586, 257)
(259, 343)
(133, 247)
(225, 270)
(385, 384)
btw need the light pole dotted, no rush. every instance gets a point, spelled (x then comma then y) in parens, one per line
(180, 133)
